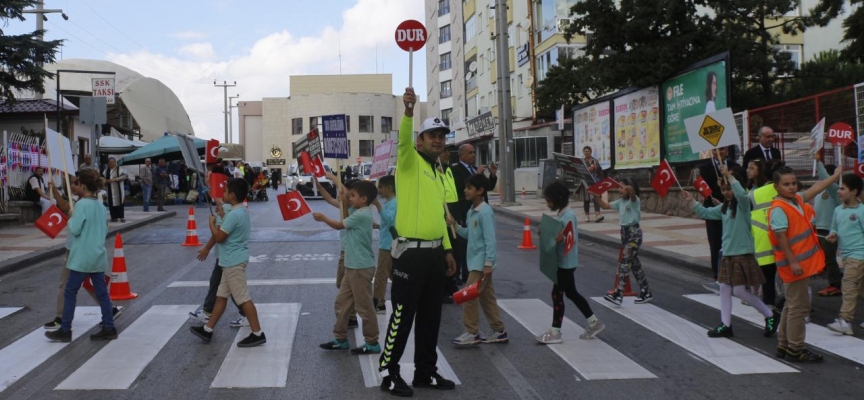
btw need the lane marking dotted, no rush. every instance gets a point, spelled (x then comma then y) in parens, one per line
(261, 282)
(119, 363)
(7, 311)
(265, 365)
(848, 347)
(27, 353)
(726, 354)
(593, 359)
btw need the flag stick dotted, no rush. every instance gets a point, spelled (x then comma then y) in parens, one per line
(68, 183)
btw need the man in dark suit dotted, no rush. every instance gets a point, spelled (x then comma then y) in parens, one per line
(765, 149)
(461, 172)
(709, 171)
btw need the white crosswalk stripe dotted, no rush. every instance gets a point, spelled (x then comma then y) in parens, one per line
(7, 311)
(848, 347)
(727, 355)
(261, 282)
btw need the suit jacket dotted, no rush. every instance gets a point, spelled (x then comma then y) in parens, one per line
(709, 173)
(460, 177)
(755, 152)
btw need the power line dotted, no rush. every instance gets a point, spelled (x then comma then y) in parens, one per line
(112, 25)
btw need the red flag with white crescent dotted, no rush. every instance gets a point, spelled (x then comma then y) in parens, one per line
(859, 169)
(603, 185)
(218, 183)
(212, 151)
(317, 167)
(702, 187)
(569, 237)
(663, 179)
(306, 162)
(292, 205)
(52, 222)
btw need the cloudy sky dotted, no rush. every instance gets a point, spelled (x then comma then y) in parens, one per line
(187, 44)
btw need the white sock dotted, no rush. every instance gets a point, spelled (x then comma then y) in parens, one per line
(207, 329)
(725, 304)
(742, 293)
(257, 333)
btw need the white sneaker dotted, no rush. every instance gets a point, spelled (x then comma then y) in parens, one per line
(497, 337)
(549, 337)
(200, 315)
(239, 322)
(841, 326)
(467, 339)
(592, 330)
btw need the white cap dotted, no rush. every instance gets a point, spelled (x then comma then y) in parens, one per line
(432, 124)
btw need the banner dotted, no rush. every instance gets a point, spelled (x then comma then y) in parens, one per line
(712, 131)
(335, 133)
(381, 160)
(637, 129)
(592, 128)
(697, 92)
(60, 151)
(309, 143)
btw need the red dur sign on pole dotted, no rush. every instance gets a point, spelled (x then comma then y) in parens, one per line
(411, 36)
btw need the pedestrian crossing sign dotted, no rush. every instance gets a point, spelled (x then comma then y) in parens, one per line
(711, 130)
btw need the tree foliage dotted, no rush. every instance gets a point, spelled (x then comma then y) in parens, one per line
(853, 34)
(22, 56)
(827, 71)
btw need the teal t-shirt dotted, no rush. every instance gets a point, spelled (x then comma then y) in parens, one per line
(358, 239)
(226, 208)
(737, 232)
(388, 217)
(571, 260)
(235, 249)
(779, 220)
(88, 228)
(849, 227)
(629, 212)
(342, 233)
(481, 237)
(824, 203)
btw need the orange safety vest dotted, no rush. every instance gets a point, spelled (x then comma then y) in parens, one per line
(802, 239)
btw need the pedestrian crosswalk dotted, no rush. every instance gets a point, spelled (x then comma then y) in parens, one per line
(7, 311)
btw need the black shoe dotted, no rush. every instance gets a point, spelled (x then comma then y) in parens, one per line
(434, 381)
(803, 355)
(352, 323)
(59, 335)
(721, 331)
(201, 333)
(396, 386)
(252, 340)
(53, 325)
(615, 298)
(771, 324)
(448, 299)
(645, 296)
(381, 309)
(781, 352)
(104, 334)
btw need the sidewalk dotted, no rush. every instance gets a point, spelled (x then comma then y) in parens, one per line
(678, 241)
(24, 245)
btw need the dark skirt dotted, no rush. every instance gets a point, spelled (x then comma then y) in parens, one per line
(740, 270)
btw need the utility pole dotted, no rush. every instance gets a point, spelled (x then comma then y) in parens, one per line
(40, 12)
(505, 123)
(225, 85)
(231, 108)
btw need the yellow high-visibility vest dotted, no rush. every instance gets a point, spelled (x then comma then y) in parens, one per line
(760, 201)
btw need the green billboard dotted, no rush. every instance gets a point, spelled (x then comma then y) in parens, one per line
(699, 91)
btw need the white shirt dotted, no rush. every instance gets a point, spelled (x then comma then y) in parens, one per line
(766, 151)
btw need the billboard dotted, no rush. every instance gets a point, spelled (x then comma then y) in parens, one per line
(637, 129)
(702, 90)
(591, 128)
(335, 133)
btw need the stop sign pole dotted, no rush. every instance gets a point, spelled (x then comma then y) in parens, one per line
(410, 36)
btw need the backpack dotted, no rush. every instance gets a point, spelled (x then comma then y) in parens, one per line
(29, 193)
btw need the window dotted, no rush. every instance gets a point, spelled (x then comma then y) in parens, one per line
(445, 116)
(444, 34)
(794, 51)
(443, 7)
(297, 126)
(510, 35)
(470, 28)
(386, 124)
(367, 147)
(314, 122)
(445, 90)
(367, 123)
(472, 106)
(529, 151)
(445, 62)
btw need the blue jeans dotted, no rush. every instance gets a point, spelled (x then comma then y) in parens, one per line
(148, 193)
(70, 296)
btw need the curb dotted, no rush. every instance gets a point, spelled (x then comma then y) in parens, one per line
(30, 259)
(673, 259)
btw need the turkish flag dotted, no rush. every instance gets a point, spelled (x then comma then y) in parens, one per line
(292, 205)
(317, 167)
(218, 183)
(212, 151)
(859, 169)
(569, 237)
(603, 185)
(306, 162)
(702, 187)
(663, 179)
(52, 222)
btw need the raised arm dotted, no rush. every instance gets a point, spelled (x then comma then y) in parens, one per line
(405, 157)
(818, 187)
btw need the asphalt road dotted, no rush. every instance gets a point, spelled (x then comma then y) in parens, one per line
(670, 365)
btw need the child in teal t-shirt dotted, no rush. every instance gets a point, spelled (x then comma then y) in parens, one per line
(847, 228)
(387, 211)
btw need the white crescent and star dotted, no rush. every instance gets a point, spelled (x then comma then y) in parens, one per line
(295, 201)
(59, 218)
(664, 175)
(213, 151)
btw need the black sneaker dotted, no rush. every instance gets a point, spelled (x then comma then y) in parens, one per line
(615, 298)
(367, 348)
(781, 352)
(59, 335)
(201, 333)
(721, 331)
(334, 344)
(381, 309)
(803, 355)
(771, 324)
(434, 381)
(352, 323)
(104, 334)
(252, 340)
(645, 296)
(53, 325)
(396, 386)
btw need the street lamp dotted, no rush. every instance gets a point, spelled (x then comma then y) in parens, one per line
(231, 117)
(225, 85)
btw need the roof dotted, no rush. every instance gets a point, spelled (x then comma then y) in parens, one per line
(37, 106)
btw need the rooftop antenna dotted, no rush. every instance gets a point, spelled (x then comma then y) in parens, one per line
(339, 45)
(376, 56)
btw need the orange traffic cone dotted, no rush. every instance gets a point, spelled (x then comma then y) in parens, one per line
(119, 288)
(628, 291)
(191, 230)
(527, 242)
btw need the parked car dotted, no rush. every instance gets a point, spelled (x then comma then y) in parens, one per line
(302, 181)
(363, 171)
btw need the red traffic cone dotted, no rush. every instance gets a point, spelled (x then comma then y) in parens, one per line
(119, 288)
(527, 242)
(628, 291)
(191, 230)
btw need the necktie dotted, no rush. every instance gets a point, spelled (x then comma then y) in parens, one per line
(471, 168)
(767, 154)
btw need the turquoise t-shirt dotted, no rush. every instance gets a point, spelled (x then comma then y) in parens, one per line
(779, 220)
(358, 239)
(88, 228)
(342, 232)
(629, 212)
(226, 208)
(571, 260)
(824, 203)
(481, 237)
(235, 249)
(737, 233)
(849, 227)
(388, 217)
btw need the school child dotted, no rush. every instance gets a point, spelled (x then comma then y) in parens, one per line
(824, 204)
(847, 228)
(738, 268)
(87, 258)
(356, 288)
(232, 239)
(344, 207)
(798, 257)
(629, 214)
(387, 190)
(480, 233)
(557, 199)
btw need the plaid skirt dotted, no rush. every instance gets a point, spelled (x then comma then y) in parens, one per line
(740, 270)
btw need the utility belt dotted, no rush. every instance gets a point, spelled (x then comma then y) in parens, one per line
(401, 244)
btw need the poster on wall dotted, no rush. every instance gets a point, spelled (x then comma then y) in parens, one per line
(592, 129)
(700, 91)
(637, 129)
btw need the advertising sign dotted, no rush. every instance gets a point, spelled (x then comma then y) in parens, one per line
(309, 143)
(711, 131)
(637, 129)
(481, 125)
(592, 126)
(104, 87)
(817, 138)
(335, 134)
(700, 91)
(381, 160)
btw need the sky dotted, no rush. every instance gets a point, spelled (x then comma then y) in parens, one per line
(188, 44)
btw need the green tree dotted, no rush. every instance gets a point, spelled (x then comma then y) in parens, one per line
(566, 84)
(825, 72)
(22, 56)
(853, 34)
